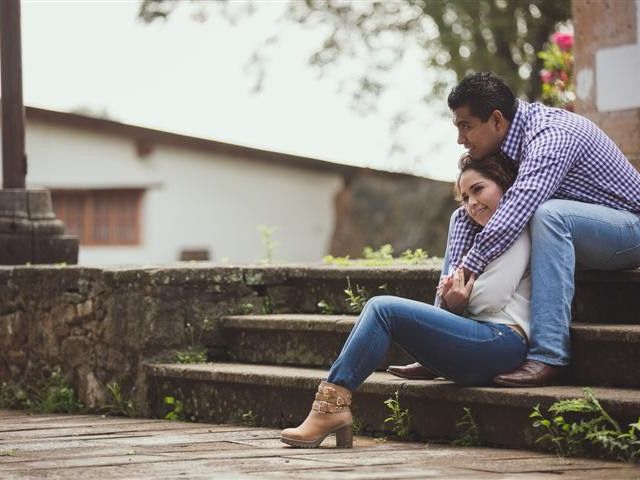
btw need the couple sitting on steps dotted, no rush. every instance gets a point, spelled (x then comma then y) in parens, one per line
(543, 192)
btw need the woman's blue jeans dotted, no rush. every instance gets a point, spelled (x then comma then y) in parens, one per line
(460, 349)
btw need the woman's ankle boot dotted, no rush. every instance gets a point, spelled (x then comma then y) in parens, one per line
(330, 413)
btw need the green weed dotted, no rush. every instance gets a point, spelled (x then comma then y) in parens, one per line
(118, 406)
(594, 430)
(470, 436)
(357, 426)
(380, 258)
(249, 419)
(399, 418)
(325, 308)
(195, 352)
(267, 305)
(357, 298)
(177, 409)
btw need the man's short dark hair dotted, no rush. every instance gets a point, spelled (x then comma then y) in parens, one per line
(483, 93)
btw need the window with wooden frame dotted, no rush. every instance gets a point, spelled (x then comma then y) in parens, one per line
(100, 217)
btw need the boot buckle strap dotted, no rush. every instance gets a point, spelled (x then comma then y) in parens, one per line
(326, 407)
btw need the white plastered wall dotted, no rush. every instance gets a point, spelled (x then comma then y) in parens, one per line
(193, 199)
(618, 75)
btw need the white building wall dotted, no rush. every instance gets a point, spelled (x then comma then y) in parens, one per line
(194, 200)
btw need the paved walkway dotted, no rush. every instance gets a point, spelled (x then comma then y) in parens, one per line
(94, 447)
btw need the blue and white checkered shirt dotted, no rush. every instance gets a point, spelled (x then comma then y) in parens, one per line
(559, 155)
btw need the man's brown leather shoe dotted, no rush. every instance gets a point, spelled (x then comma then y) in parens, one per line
(531, 373)
(413, 371)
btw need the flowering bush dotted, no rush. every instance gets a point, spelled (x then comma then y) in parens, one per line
(558, 88)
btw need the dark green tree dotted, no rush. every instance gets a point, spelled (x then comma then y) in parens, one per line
(456, 36)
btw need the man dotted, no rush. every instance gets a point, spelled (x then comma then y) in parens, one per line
(575, 189)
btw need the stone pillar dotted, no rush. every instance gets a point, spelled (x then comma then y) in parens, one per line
(30, 231)
(607, 66)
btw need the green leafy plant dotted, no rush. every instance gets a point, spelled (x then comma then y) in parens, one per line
(380, 258)
(383, 255)
(330, 259)
(195, 352)
(399, 417)
(268, 243)
(118, 406)
(356, 426)
(13, 395)
(468, 427)
(57, 396)
(267, 305)
(592, 430)
(197, 355)
(325, 308)
(51, 393)
(356, 298)
(249, 419)
(177, 409)
(414, 257)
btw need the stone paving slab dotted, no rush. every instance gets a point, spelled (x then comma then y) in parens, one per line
(158, 449)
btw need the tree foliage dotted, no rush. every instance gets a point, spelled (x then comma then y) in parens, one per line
(459, 36)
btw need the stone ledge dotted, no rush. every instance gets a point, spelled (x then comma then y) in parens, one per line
(385, 384)
(291, 322)
(281, 396)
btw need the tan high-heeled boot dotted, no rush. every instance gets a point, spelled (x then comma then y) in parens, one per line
(329, 413)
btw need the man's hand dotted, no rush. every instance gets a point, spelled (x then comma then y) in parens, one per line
(456, 291)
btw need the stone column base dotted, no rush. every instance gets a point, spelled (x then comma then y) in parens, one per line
(30, 231)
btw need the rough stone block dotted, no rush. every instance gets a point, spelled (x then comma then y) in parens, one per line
(55, 249)
(15, 248)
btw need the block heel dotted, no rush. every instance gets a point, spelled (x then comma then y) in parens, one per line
(344, 437)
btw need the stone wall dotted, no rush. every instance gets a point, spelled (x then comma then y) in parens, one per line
(607, 68)
(99, 326)
(405, 211)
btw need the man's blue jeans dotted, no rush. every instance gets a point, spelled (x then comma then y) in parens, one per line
(566, 235)
(463, 350)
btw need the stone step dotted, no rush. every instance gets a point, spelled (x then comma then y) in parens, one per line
(277, 396)
(606, 355)
(601, 297)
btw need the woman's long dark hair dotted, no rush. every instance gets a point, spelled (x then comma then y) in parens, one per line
(494, 167)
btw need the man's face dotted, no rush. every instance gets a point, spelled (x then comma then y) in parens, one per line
(478, 137)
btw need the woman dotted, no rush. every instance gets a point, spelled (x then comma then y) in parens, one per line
(479, 331)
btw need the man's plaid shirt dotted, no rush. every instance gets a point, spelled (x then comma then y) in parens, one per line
(559, 155)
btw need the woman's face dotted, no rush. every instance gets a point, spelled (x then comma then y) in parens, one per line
(480, 196)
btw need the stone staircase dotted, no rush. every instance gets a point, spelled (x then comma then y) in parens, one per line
(269, 364)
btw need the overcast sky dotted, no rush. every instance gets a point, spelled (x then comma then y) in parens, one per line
(189, 77)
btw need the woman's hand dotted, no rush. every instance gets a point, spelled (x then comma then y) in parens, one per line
(456, 293)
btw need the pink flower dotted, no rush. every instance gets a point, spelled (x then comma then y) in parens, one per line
(563, 40)
(546, 76)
